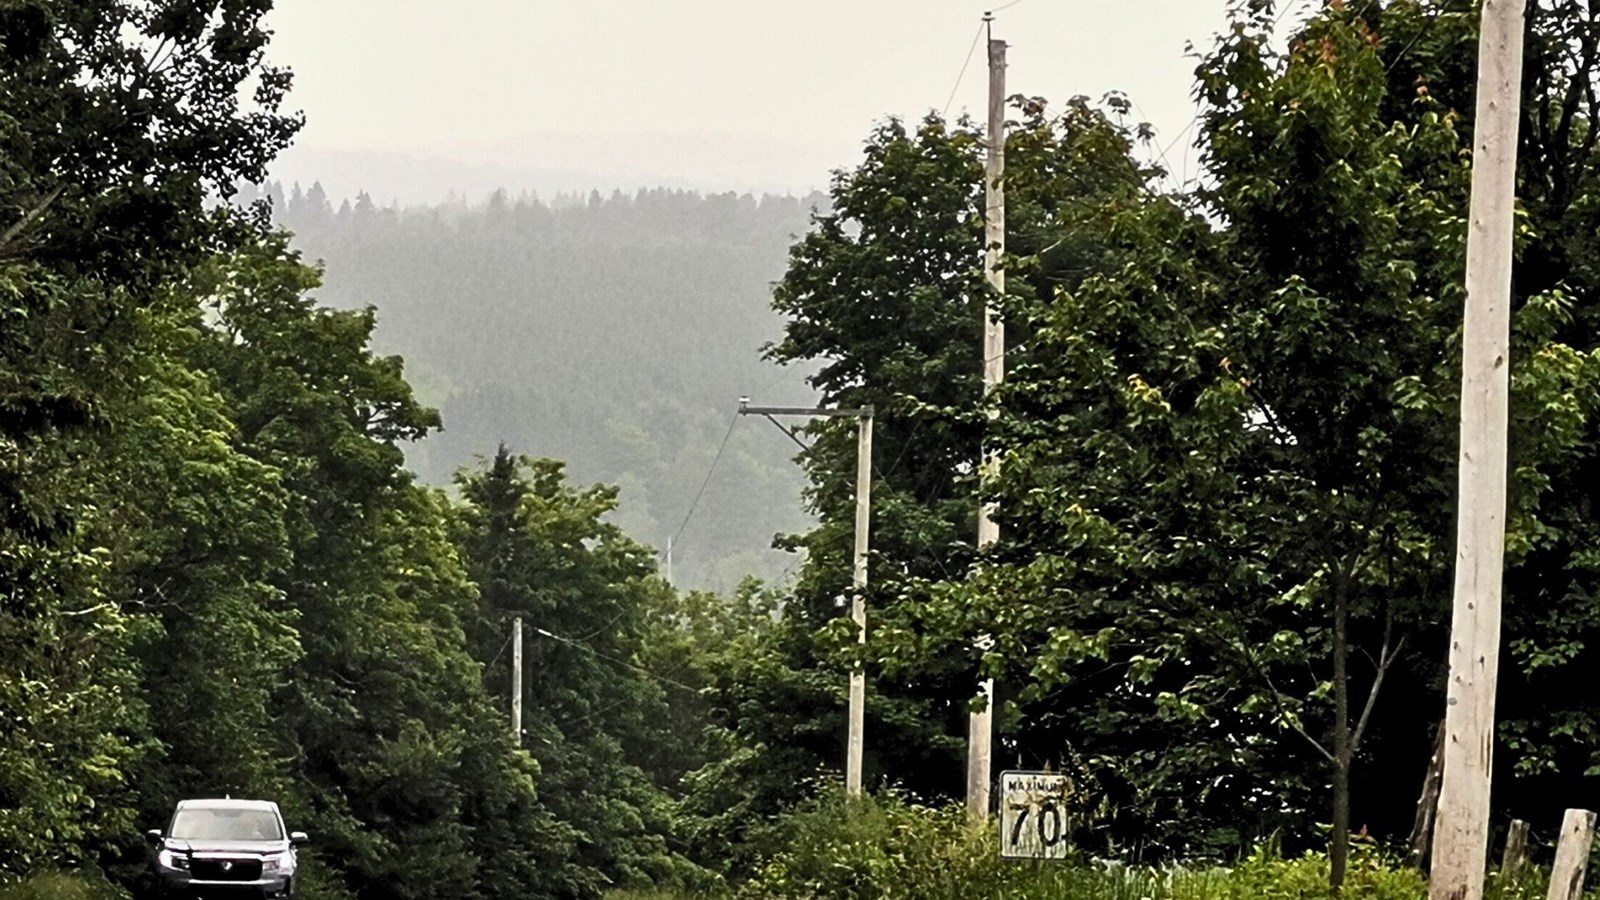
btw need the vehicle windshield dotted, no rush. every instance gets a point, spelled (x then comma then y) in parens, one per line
(226, 825)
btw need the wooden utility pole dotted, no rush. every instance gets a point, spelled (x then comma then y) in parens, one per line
(1460, 848)
(858, 603)
(980, 725)
(516, 680)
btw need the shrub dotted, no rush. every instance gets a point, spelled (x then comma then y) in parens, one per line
(892, 848)
(881, 847)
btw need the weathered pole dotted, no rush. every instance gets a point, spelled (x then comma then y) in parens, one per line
(980, 725)
(856, 740)
(1572, 856)
(516, 680)
(1461, 838)
(858, 603)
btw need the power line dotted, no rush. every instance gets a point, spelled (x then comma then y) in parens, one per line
(621, 662)
(781, 373)
(1288, 7)
(970, 50)
(503, 645)
(1422, 32)
(701, 493)
(1166, 163)
(1186, 129)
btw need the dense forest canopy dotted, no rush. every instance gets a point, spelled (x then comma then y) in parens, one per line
(614, 332)
(1227, 455)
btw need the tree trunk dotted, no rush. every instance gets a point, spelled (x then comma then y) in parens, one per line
(1339, 849)
(1428, 804)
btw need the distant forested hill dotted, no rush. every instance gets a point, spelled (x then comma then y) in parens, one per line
(613, 332)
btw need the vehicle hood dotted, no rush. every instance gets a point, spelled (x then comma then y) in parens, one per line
(203, 845)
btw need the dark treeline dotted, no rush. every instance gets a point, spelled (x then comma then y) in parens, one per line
(615, 332)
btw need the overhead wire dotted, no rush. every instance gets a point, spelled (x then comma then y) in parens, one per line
(1283, 14)
(1165, 163)
(970, 51)
(503, 645)
(694, 504)
(621, 662)
(1288, 7)
(569, 722)
(1422, 32)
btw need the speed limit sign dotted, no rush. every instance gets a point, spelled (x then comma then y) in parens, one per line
(1033, 815)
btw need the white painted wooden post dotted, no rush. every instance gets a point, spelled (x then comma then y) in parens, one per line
(1572, 855)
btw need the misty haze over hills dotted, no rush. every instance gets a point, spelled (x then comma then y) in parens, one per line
(615, 332)
(550, 164)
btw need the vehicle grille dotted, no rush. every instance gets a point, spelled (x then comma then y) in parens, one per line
(225, 869)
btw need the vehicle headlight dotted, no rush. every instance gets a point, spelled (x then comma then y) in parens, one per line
(277, 861)
(173, 860)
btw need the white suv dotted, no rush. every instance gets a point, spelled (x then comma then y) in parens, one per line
(226, 847)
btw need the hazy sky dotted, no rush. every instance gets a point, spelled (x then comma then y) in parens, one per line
(417, 96)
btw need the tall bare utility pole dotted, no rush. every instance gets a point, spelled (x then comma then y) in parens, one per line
(516, 680)
(858, 603)
(1461, 841)
(980, 725)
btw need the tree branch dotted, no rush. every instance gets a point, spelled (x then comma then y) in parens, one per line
(15, 230)
(1277, 696)
(1386, 655)
(1294, 723)
(1386, 659)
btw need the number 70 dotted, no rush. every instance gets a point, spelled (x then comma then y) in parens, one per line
(1047, 822)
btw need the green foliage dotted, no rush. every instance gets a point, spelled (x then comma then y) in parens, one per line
(1227, 487)
(119, 115)
(885, 297)
(769, 729)
(541, 551)
(105, 158)
(59, 886)
(883, 847)
(1227, 435)
(890, 847)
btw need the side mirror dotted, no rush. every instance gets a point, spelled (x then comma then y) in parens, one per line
(298, 837)
(153, 835)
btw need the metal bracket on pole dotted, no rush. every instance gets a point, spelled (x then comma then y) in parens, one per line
(858, 605)
(860, 412)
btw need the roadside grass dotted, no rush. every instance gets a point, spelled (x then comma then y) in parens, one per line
(889, 848)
